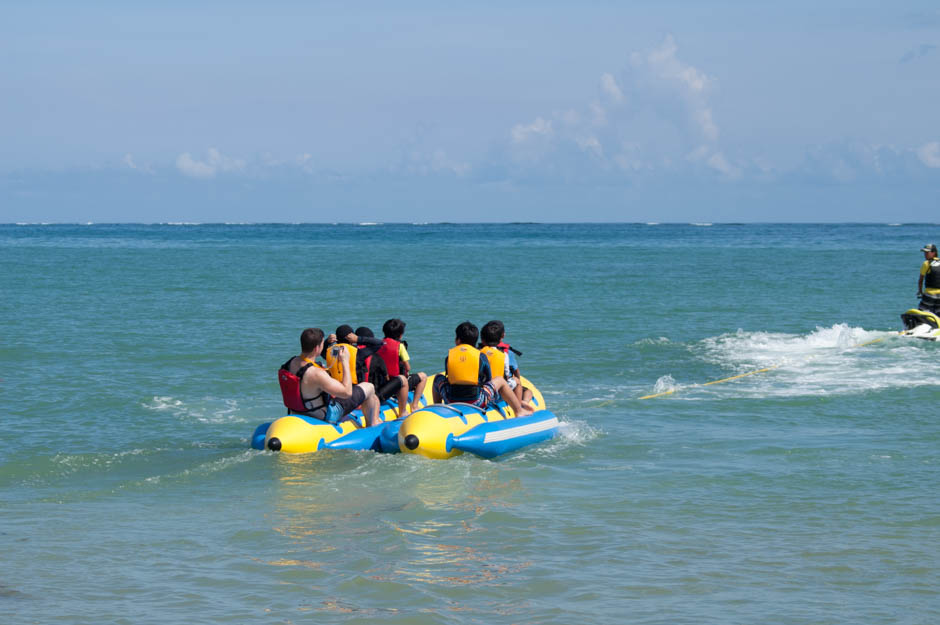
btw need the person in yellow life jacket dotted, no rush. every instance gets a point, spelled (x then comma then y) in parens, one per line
(468, 379)
(928, 284)
(322, 396)
(360, 349)
(502, 357)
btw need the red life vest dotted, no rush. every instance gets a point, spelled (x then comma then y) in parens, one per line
(362, 368)
(389, 353)
(290, 390)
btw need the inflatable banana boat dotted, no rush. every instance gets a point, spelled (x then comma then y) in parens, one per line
(434, 431)
(921, 324)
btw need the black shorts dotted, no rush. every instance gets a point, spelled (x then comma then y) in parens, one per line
(389, 389)
(929, 304)
(352, 402)
(392, 387)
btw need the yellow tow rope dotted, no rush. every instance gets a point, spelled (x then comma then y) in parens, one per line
(744, 375)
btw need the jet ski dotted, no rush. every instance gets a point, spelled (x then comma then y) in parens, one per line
(921, 324)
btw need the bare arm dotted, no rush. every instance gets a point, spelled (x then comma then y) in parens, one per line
(341, 390)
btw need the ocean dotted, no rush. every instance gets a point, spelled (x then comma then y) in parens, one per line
(136, 361)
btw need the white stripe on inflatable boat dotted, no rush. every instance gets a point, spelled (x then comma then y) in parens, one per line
(522, 430)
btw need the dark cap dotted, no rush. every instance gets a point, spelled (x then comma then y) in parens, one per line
(930, 247)
(342, 331)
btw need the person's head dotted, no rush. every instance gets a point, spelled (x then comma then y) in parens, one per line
(310, 339)
(929, 250)
(362, 331)
(467, 334)
(393, 329)
(341, 333)
(492, 333)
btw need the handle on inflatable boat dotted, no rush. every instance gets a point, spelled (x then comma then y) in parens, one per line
(451, 407)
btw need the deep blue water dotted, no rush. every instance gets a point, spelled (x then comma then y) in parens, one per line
(136, 360)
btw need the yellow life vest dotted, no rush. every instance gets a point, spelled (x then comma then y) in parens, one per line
(463, 365)
(497, 358)
(334, 366)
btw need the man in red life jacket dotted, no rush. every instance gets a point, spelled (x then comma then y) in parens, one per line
(468, 378)
(319, 395)
(394, 352)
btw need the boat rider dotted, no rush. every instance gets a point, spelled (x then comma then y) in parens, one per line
(359, 348)
(322, 396)
(394, 352)
(386, 385)
(502, 357)
(468, 378)
(928, 284)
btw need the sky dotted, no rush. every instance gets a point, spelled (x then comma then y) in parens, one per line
(665, 111)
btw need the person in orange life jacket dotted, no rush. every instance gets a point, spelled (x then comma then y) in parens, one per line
(500, 355)
(468, 378)
(928, 284)
(322, 396)
(394, 352)
(345, 338)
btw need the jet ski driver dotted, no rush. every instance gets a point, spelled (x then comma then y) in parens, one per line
(928, 284)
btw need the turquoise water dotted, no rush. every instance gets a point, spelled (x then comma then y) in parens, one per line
(136, 361)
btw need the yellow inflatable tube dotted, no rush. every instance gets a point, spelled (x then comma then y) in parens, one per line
(297, 434)
(426, 431)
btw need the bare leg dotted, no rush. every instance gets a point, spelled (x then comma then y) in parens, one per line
(506, 393)
(435, 395)
(402, 396)
(419, 391)
(370, 407)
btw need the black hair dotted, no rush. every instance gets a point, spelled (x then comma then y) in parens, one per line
(341, 333)
(364, 331)
(310, 339)
(492, 332)
(467, 333)
(393, 329)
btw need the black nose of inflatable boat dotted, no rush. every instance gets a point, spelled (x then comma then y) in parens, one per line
(274, 444)
(411, 442)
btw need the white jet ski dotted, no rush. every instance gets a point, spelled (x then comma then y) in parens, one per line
(921, 324)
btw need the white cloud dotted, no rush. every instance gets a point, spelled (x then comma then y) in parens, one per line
(718, 162)
(929, 154)
(215, 162)
(658, 106)
(590, 144)
(539, 128)
(610, 88)
(662, 70)
(129, 161)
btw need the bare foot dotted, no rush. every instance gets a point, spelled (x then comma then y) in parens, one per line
(526, 410)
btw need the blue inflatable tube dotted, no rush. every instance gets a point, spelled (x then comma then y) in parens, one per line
(492, 439)
(382, 438)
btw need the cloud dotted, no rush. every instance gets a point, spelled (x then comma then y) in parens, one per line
(129, 161)
(920, 51)
(539, 128)
(610, 88)
(651, 116)
(421, 154)
(215, 162)
(663, 75)
(929, 154)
